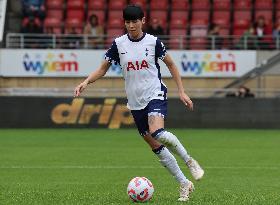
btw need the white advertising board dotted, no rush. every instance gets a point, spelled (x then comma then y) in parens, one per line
(79, 63)
(220, 63)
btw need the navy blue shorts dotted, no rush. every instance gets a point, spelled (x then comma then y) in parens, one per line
(155, 107)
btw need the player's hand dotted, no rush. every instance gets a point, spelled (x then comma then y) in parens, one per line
(80, 88)
(186, 100)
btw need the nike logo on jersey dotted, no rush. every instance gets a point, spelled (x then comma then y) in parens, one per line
(137, 65)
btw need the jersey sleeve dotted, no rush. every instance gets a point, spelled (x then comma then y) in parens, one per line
(112, 55)
(160, 50)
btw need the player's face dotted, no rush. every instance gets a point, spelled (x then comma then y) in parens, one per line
(134, 27)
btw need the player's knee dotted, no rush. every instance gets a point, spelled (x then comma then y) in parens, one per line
(167, 138)
(154, 144)
(157, 132)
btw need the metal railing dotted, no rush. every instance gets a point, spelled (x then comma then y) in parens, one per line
(179, 42)
(117, 92)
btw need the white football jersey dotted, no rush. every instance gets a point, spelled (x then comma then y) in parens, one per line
(139, 62)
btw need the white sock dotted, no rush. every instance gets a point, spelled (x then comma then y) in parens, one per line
(172, 142)
(169, 161)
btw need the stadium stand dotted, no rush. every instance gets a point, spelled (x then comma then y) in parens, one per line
(55, 4)
(162, 16)
(176, 43)
(141, 3)
(195, 18)
(117, 4)
(242, 4)
(221, 5)
(186, 22)
(179, 19)
(201, 5)
(180, 5)
(158, 5)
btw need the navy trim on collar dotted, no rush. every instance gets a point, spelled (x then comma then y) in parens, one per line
(136, 40)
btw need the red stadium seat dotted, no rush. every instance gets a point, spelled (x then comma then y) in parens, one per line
(200, 18)
(178, 32)
(277, 5)
(54, 4)
(112, 33)
(198, 43)
(201, 4)
(237, 34)
(26, 21)
(263, 4)
(180, 5)
(75, 4)
(178, 39)
(221, 18)
(179, 19)
(76, 23)
(199, 22)
(117, 4)
(76, 14)
(199, 31)
(115, 19)
(242, 19)
(238, 31)
(161, 16)
(57, 13)
(141, 3)
(224, 31)
(277, 15)
(97, 4)
(54, 23)
(242, 4)
(159, 5)
(100, 15)
(221, 4)
(241, 24)
(267, 14)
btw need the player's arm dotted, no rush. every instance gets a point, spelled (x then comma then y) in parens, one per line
(176, 76)
(94, 76)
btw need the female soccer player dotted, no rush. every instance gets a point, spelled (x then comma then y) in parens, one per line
(137, 53)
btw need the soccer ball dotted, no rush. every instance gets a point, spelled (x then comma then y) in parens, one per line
(140, 189)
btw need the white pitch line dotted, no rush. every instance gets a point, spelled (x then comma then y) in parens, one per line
(136, 167)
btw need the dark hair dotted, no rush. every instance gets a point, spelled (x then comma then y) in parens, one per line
(133, 12)
(93, 16)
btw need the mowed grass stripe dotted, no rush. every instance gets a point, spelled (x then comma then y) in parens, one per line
(131, 167)
(94, 166)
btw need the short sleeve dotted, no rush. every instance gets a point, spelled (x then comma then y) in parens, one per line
(112, 55)
(160, 50)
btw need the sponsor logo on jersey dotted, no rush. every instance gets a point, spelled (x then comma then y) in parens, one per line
(137, 65)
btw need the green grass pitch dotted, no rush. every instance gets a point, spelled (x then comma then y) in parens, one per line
(94, 166)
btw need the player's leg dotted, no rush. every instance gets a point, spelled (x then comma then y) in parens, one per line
(157, 110)
(165, 157)
(172, 142)
(168, 160)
